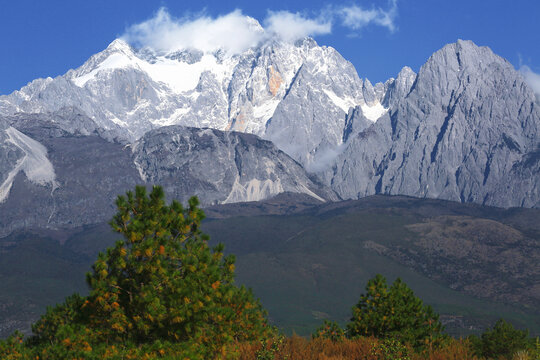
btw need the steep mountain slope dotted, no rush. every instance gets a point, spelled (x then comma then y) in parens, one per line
(468, 131)
(53, 177)
(220, 167)
(89, 173)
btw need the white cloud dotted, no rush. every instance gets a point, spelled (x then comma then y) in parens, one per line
(233, 32)
(325, 158)
(532, 78)
(293, 26)
(356, 17)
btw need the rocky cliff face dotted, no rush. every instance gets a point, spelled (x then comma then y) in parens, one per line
(220, 167)
(468, 130)
(89, 172)
(58, 178)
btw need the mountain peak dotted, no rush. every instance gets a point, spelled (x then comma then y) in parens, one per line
(459, 62)
(465, 53)
(307, 41)
(463, 44)
(119, 45)
(254, 24)
(406, 72)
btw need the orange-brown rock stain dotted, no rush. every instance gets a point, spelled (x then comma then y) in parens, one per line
(275, 81)
(239, 123)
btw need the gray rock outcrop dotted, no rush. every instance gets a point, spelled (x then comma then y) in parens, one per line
(468, 130)
(220, 167)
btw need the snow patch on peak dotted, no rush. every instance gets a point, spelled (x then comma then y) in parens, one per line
(171, 119)
(343, 103)
(114, 61)
(179, 76)
(254, 24)
(374, 112)
(119, 45)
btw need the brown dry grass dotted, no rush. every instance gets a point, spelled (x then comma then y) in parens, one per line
(298, 348)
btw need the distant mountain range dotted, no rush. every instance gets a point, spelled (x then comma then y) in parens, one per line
(282, 117)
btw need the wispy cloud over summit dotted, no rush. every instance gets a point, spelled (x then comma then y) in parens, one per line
(532, 78)
(233, 32)
(236, 32)
(292, 26)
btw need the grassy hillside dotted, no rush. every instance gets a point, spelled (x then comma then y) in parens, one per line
(308, 262)
(306, 269)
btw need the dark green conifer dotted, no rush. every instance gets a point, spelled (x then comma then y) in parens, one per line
(394, 312)
(161, 283)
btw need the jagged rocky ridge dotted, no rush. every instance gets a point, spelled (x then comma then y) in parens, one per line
(465, 128)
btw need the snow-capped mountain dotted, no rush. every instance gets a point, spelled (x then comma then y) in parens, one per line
(465, 128)
(296, 95)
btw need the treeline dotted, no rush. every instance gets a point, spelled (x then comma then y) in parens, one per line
(163, 293)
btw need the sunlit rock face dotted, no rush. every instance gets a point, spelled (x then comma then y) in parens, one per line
(220, 167)
(467, 130)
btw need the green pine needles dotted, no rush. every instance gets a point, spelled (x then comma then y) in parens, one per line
(394, 312)
(161, 283)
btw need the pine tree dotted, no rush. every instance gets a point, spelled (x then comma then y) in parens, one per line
(162, 282)
(329, 330)
(501, 341)
(394, 312)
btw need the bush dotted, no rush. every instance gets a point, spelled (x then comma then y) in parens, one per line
(13, 348)
(329, 330)
(391, 349)
(394, 312)
(503, 340)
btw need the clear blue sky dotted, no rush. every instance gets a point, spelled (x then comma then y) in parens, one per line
(47, 38)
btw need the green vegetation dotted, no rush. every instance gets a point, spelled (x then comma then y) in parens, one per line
(329, 330)
(309, 268)
(161, 290)
(503, 340)
(402, 327)
(313, 265)
(395, 313)
(392, 313)
(164, 292)
(388, 323)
